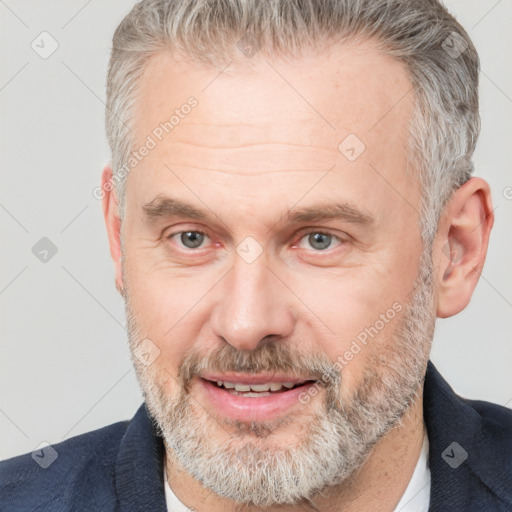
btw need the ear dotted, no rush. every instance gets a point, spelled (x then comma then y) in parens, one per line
(461, 245)
(113, 223)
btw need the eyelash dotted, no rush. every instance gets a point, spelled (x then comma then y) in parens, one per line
(302, 236)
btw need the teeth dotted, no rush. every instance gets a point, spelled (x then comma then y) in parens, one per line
(242, 387)
(259, 388)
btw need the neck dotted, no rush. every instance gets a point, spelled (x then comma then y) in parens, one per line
(389, 468)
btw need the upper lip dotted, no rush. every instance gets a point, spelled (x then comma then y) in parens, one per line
(244, 378)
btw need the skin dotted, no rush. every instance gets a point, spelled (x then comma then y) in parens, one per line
(251, 151)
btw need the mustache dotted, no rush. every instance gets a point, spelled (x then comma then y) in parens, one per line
(271, 357)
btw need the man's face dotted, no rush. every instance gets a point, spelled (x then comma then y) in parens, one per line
(261, 289)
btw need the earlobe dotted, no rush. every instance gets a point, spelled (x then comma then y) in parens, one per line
(461, 243)
(113, 224)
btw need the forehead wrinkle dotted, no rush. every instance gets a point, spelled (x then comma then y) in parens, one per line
(248, 174)
(255, 144)
(234, 161)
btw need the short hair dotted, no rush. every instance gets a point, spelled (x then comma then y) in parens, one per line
(441, 61)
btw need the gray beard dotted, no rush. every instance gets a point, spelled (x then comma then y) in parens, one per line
(334, 442)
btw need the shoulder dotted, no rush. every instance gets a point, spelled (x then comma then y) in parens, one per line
(59, 474)
(496, 428)
(495, 416)
(470, 449)
(446, 409)
(489, 456)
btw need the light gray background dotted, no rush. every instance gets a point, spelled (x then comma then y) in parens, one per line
(64, 364)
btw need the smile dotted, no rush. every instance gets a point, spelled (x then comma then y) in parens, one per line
(257, 390)
(256, 398)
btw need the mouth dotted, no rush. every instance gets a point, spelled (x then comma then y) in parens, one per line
(254, 398)
(257, 390)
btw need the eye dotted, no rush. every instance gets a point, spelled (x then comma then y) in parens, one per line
(319, 240)
(189, 239)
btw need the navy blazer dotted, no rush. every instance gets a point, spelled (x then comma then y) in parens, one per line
(120, 467)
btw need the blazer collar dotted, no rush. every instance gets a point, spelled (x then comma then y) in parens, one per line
(139, 478)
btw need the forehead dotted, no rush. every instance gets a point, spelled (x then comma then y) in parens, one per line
(350, 85)
(272, 119)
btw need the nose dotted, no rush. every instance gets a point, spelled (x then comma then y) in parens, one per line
(253, 305)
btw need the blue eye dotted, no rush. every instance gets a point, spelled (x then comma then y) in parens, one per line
(319, 240)
(191, 239)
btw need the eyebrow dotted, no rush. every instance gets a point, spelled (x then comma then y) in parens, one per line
(162, 207)
(328, 211)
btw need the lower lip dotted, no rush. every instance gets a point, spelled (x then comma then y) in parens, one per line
(242, 408)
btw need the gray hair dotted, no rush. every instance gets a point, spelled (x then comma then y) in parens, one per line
(442, 62)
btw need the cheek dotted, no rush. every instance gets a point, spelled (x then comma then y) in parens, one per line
(158, 296)
(355, 314)
(164, 311)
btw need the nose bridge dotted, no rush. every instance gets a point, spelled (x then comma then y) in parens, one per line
(252, 306)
